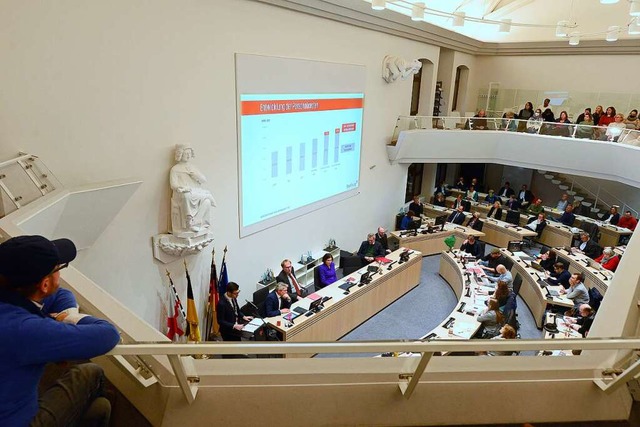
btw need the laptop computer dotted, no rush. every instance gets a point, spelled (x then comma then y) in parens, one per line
(536, 266)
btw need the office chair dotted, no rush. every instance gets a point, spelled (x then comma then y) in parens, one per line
(350, 264)
(517, 283)
(592, 229)
(316, 279)
(513, 217)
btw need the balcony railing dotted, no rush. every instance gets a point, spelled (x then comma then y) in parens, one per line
(182, 358)
(605, 134)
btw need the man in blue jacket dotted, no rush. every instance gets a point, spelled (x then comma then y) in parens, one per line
(38, 328)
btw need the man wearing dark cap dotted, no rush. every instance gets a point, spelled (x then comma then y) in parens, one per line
(29, 280)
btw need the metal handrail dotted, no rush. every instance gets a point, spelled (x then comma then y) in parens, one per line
(188, 380)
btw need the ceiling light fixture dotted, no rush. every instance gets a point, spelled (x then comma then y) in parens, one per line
(574, 39)
(505, 26)
(634, 26)
(634, 9)
(458, 19)
(612, 33)
(562, 29)
(608, 1)
(378, 4)
(417, 12)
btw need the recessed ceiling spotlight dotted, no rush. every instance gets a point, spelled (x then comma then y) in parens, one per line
(574, 39)
(458, 19)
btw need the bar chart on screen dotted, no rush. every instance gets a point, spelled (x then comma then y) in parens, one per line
(306, 146)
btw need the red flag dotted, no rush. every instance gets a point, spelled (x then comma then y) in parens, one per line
(173, 323)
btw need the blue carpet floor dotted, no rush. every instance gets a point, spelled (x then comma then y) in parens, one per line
(422, 309)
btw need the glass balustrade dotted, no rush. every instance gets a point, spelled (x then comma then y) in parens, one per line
(23, 180)
(613, 133)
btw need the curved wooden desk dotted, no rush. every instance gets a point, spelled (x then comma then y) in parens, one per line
(433, 243)
(343, 312)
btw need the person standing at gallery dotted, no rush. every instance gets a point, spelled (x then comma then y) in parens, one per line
(29, 276)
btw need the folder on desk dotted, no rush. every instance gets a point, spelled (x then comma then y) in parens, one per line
(300, 310)
(383, 260)
(348, 285)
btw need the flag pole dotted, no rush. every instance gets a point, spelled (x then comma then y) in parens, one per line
(175, 293)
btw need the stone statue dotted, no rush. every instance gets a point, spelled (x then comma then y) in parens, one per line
(190, 203)
(394, 67)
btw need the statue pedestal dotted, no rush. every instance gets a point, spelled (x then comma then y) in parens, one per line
(168, 248)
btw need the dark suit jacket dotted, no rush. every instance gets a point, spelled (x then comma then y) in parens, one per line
(539, 227)
(528, 196)
(383, 241)
(272, 306)
(508, 194)
(458, 220)
(377, 249)
(513, 205)
(567, 218)
(498, 213)
(472, 249)
(614, 220)
(283, 278)
(477, 225)
(226, 319)
(592, 250)
(416, 208)
(442, 190)
(561, 279)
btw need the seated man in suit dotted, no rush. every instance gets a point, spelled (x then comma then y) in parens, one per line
(457, 216)
(612, 217)
(460, 185)
(588, 246)
(278, 302)
(513, 203)
(560, 275)
(416, 205)
(472, 247)
(441, 188)
(370, 249)
(537, 224)
(381, 237)
(583, 322)
(495, 211)
(568, 217)
(525, 197)
(230, 318)
(475, 222)
(288, 277)
(506, 191)
(458, 202)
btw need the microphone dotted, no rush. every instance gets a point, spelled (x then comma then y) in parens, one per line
(255, 307)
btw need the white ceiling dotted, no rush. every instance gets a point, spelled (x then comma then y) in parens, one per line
(539, 18)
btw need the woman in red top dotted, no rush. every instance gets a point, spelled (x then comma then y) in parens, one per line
(608, 117)
(609, 260)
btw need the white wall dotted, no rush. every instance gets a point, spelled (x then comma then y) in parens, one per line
(612, 79)
(103, 90)
(449, 62)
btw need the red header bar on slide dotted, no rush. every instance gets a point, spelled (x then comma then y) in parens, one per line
(249, 108)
